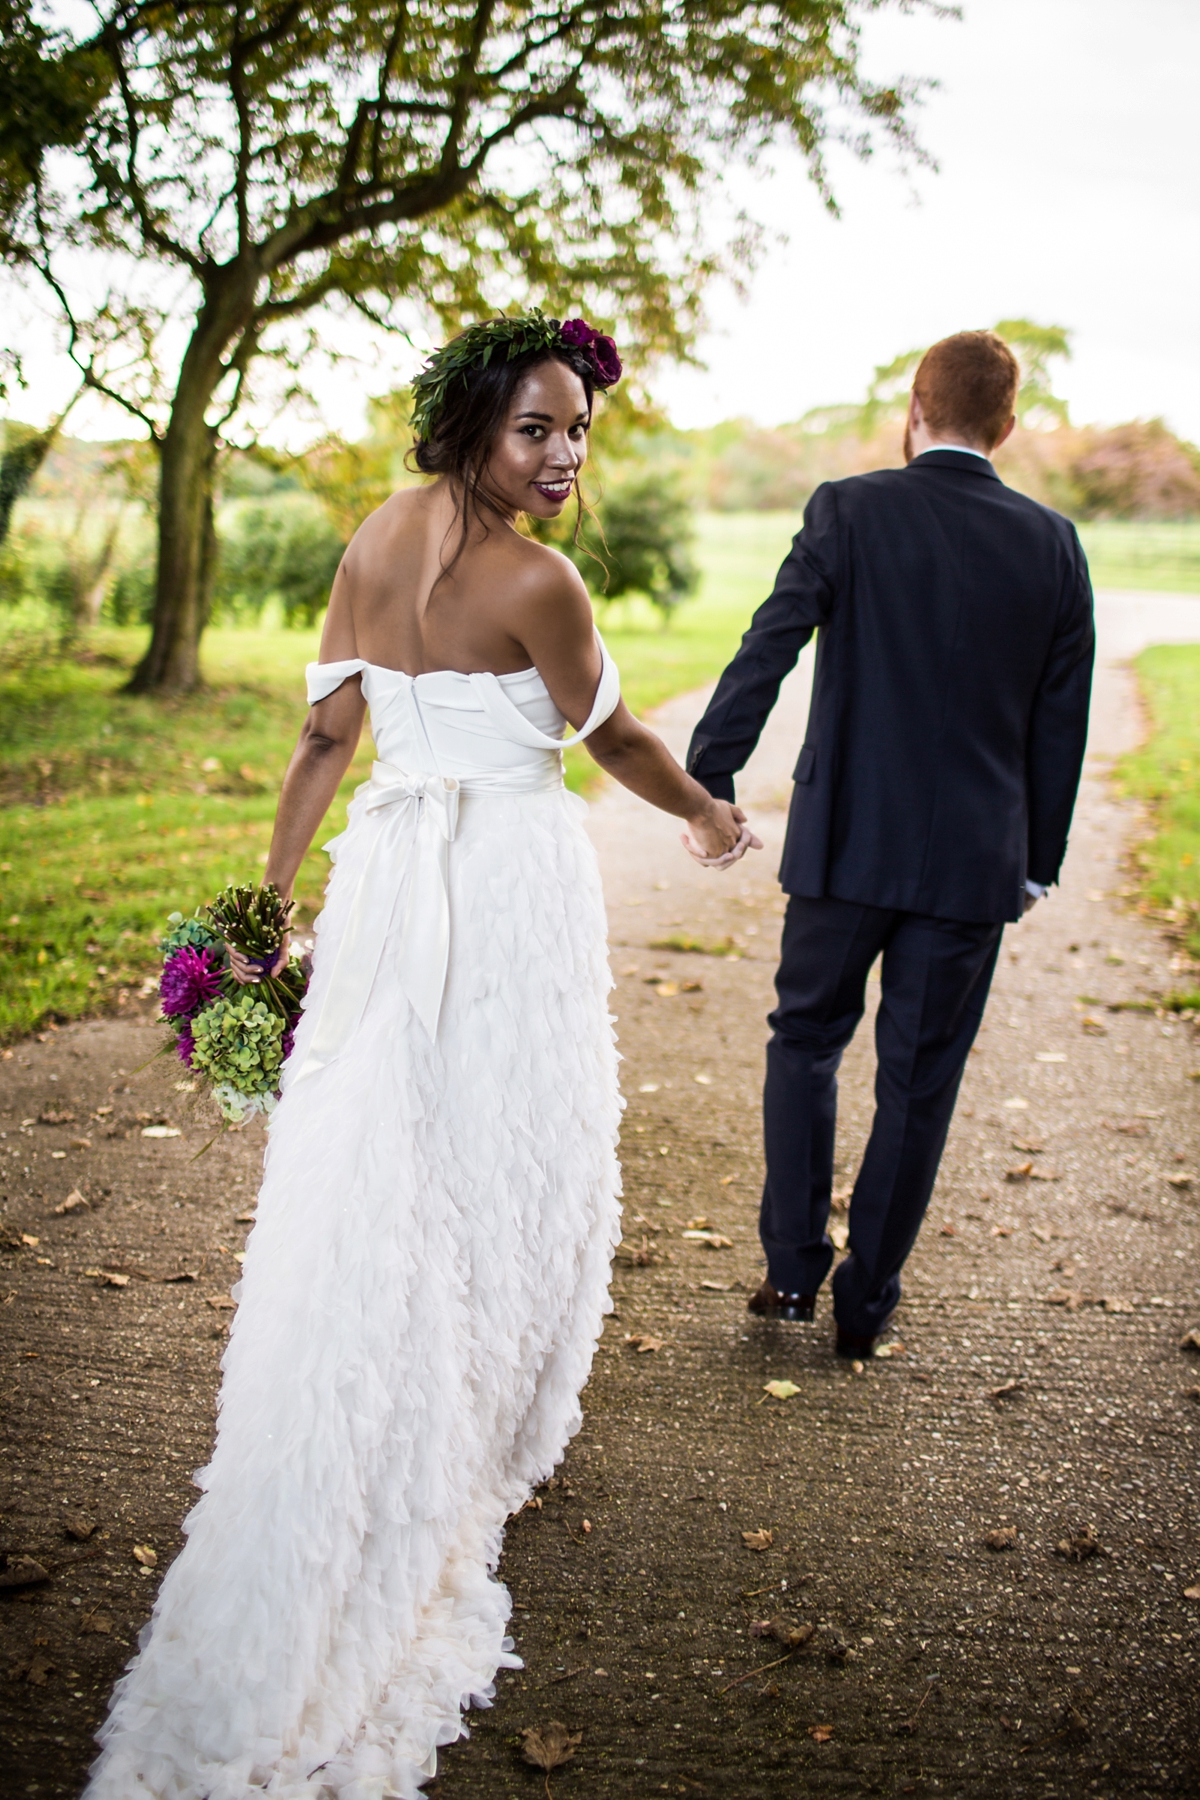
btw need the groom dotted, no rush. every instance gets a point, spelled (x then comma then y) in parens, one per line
(932, 798)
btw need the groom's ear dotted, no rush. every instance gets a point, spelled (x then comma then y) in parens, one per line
(1006, 433)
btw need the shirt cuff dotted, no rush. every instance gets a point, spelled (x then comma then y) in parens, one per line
(1035, 888)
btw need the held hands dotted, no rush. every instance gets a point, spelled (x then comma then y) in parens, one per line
(719, 836)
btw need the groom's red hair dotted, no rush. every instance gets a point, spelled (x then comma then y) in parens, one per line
(967, 385)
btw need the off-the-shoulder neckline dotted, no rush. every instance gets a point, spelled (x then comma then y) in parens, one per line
(426, 674)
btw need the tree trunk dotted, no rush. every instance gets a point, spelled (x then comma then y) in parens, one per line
(186, 526)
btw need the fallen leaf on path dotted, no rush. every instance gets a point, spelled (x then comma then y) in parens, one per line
(72, 1203)
(1019, 1172)
(1030, 1147)
(549, 1746)
(1069, 1298)
(894, 1349)
(1190, 1340)
(183, 1275)
(949, 1229)
(146, 1555)
(79, 1526)
(1002, 1230)
(642, 1343)
(1080, 1546)
(1112, 1303)
(30, 1243)
(1182, 1180)
(109, 1277)
(1036, 1174)
(97, 1621)
(820, 1734)
(838, 1234)
(1003, 1538)
(50, 1117)
(665, 989)
(703, 1223)
(161, 1131)
(780, 1390)
(1015, 1386)
(716, 1287)
(1131, 1128)
(221, 1302)
(758, 1540)
(715, 1240)
(39, 1668)
(1093, 1026)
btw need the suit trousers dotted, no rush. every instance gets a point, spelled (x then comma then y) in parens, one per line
(935, 979)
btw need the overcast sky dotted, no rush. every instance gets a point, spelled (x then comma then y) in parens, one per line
(1066, 137)
(1067, 192)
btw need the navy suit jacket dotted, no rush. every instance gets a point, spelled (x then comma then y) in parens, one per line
(950, 699)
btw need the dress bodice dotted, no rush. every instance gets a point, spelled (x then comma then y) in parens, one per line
(463, 726)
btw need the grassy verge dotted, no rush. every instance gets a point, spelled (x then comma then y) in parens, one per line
(1165, 775)
(1164, 557)
(115, 811)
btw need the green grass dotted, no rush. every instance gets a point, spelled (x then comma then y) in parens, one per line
(115, 811)
(1164, 557)
(1165, 775)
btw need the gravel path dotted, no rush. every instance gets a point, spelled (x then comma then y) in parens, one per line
(1037, 1387)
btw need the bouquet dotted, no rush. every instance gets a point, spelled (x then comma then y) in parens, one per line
(236, 1036)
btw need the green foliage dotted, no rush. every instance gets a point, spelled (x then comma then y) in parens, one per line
(283, 548)
(1164, 774)
(49, 92)
(647, 544)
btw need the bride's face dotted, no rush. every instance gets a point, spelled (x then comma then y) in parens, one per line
(542, 444)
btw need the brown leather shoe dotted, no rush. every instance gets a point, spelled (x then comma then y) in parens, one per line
(769, 1303)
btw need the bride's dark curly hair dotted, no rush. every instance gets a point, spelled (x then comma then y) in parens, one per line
(465, 393)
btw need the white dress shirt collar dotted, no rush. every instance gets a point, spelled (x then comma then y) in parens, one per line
(964, 448)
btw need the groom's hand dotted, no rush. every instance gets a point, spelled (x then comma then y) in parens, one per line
(719, 835)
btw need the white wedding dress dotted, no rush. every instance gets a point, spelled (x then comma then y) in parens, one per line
(424, 1285)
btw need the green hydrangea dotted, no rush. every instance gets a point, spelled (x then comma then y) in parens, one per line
(239, 1044)
(188, 931)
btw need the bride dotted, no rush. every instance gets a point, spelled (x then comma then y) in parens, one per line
(425, 1282)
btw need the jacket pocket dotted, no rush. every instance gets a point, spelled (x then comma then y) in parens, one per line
(804, 768)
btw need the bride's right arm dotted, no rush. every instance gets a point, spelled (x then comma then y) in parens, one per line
(324, 751)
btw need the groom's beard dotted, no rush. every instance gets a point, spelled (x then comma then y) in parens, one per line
(908, 449)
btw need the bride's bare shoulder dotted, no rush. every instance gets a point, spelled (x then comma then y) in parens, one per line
(541, 575)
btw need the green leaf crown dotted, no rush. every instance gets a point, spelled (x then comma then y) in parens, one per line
(475, 347)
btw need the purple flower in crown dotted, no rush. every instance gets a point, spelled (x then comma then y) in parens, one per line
(578, 333)
(185, 1046)
(288, 1041)
(190, 980)
(601, 351)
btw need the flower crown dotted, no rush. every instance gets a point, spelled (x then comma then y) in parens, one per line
(475, 347)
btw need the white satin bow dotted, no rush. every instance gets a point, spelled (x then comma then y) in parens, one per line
(424, 808)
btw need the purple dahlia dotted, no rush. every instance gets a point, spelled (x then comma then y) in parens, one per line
(185, 1046)
(190, 980)
(287, 1041)
(578, 333)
